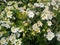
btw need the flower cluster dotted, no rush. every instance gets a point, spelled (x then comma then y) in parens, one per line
(30, 22)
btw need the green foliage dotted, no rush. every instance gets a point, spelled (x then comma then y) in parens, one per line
(2, 7)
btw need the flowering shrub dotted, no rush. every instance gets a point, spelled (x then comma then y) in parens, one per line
(29, 22)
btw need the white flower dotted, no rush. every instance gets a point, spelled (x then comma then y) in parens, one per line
(58, 35)
(41, 5)
(14, 29)
(16, 5)
(5, 25)
(46, 14)
(8, 22)
(3, 41)
(30, 5)
(49, 23)
(21, 9)
(17, 35)
(9, 14)
(8, 8)
(19, 42)
(48, 4)
(43, 16)
(37, 13)
(53, 2)
(39, 23)
(10, 3)
(48, 30)
(36, 28)
(49, 16)
(36, 5)
(12, 38)
(3, 12)
(2, 21)
(50, 35)
(30, 14)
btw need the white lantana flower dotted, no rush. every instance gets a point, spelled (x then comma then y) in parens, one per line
(21, 9)
(36, 5)
(30, 14)
(14, 29)
(5, 25)
(41, 5)
(48, 4)
(8, 22)
(12, 38)
(39, 23)
(10, 3)
(8, 8)
(47, 15)
(37, 13)
(53, 2)
(2, 21)
(9, 14)
(58, 35)
(48, 30)
(43, 16)
(36, 28)
(19, 42)
(16, 5)
(17, 35)
(2, 13)
(5, 1)
(3, 41)
(50, 35)
(49, 23)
